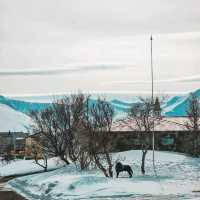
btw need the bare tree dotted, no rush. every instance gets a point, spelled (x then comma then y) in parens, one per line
(144, 116)
(73, 129)
(81, 149)
(40, 156)
(193, 113)
(58, 124)
(99, 119)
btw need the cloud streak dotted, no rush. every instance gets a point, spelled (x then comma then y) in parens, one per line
(189, 79)
(57, 71)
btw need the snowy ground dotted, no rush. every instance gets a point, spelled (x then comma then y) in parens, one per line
(177, 176)
(18, 167)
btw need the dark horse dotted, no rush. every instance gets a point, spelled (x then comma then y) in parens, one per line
(119, 167)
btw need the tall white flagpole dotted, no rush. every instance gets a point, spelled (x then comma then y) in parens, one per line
(152, 98)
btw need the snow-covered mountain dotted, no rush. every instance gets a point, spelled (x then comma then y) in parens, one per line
(14, 113)
(177, 106)
(12, 120)
(22, 106)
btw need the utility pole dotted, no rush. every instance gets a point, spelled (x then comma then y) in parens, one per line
(152, 100)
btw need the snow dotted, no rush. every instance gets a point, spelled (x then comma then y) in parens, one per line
(176, 176)
(13, 111)
(173, 102)
(23, 106)
(171, 107)
(19, 167)
(11, 120)
(177, 105)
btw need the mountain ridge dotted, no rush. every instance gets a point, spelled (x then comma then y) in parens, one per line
(175, 106)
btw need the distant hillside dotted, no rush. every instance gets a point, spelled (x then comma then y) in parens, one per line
(12, 120)
(178, 105)
(14, 113)
(172, 107)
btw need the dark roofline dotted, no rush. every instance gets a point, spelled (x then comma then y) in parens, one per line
(156, 132)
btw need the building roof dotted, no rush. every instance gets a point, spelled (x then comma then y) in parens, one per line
(166, 124)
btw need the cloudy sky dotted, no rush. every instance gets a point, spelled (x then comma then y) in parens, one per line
(58, 46)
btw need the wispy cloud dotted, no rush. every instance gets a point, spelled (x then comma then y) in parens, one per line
(189, 79)
(56, 71)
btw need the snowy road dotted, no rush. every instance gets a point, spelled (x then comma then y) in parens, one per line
(8, 193)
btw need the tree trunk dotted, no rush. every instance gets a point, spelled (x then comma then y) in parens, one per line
(100, 166)
(46, 164)
(62, 157)
(195, 146)
(144, 152)
(109, 164)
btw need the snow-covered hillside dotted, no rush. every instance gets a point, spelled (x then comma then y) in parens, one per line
(23, 106)
(176, 177)
(175, 106)
(12, 120)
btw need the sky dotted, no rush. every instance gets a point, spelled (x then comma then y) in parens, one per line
(55, 47)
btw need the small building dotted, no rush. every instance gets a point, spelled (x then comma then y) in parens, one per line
(166, 124)
(171, 133)
(12, 141)
(31, 145)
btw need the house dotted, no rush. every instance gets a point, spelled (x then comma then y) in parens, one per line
(32, 146)
(166, 124)
(12, 141)
(171, 133)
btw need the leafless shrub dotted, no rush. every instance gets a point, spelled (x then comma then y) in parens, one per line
(98, 122)
(193, 113)
(74, 130)
(57, 126)
(120, 159)
(40, 157)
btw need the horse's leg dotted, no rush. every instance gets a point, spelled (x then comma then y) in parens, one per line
(130, 174)
(143, 171)
(131, 171)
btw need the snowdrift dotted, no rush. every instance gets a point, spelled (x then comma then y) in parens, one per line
(176, 176)
(19, 167)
